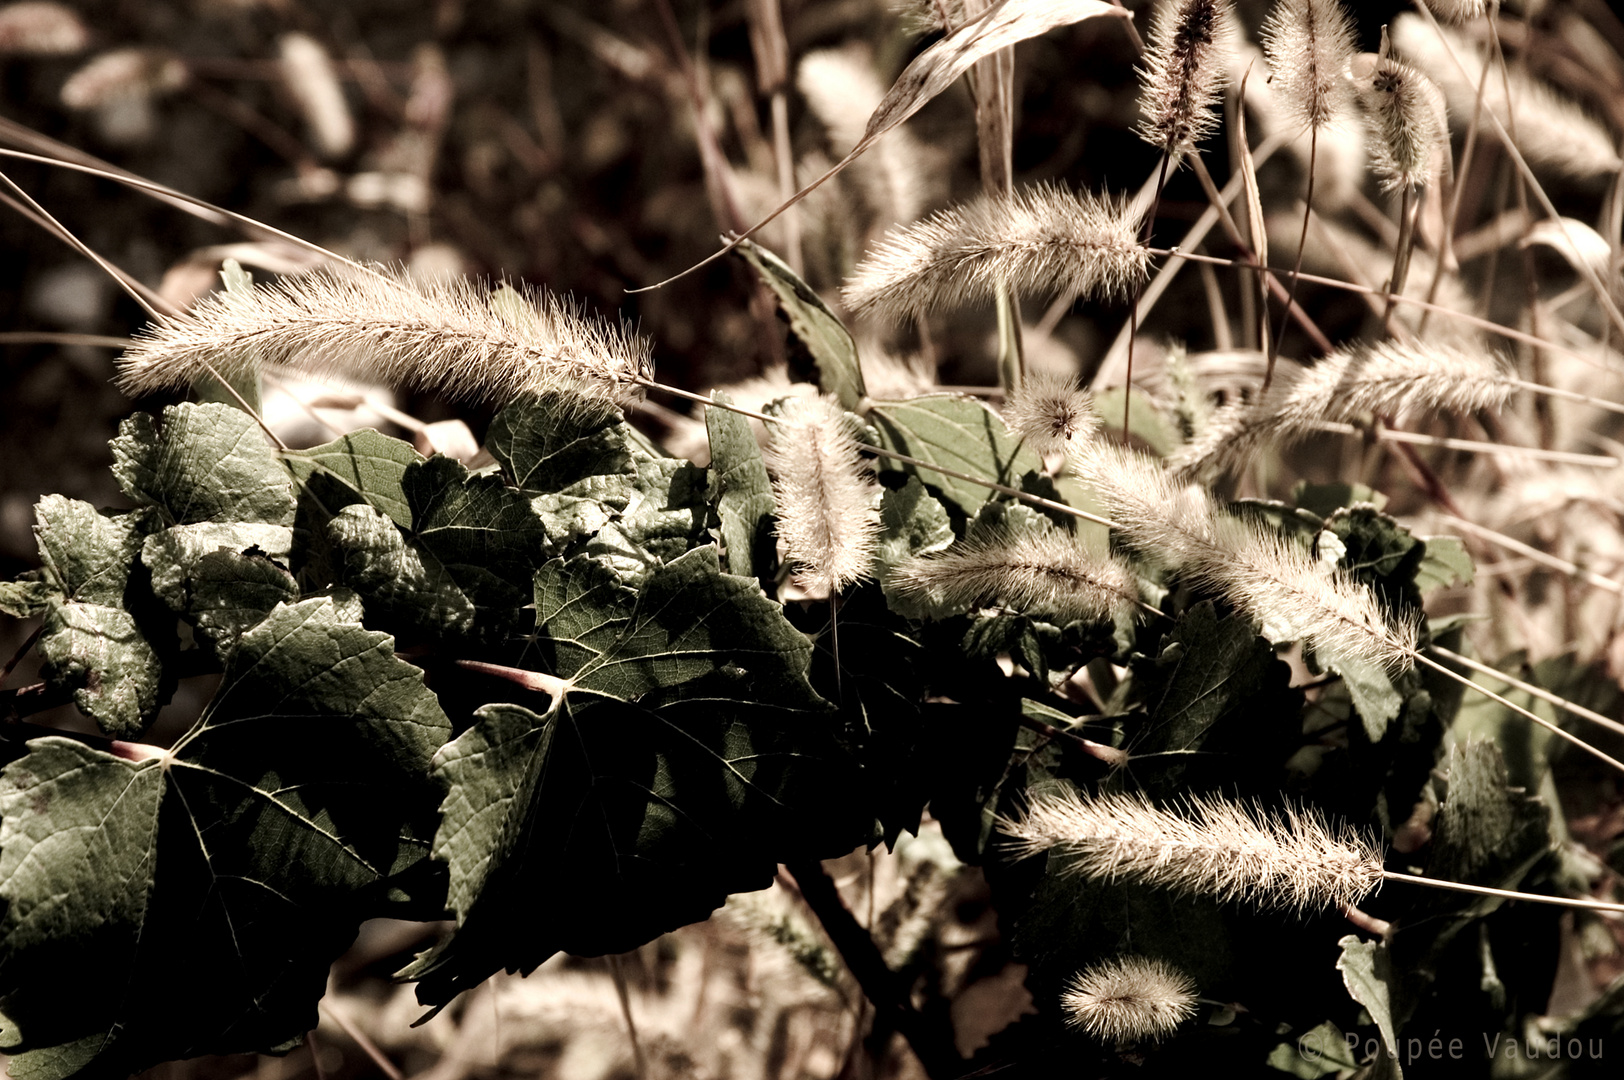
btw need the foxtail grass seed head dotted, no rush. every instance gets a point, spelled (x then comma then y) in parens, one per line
(1128, 998)
(1210, 846)
(1050, 413)
(1406, 122)
(828, 504)
(1186, 68)
(123, 74)
(1036, 573)
(444, 336)
(1294, 597)
(1309, 44)
(1391, 379)
(1041, 240)
(1457, 10)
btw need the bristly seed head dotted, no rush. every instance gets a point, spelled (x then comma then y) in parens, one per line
(828, 504)
(1309, 44)
(1407, 123)
(1050, 413)
(1185, 72)
(1213, 847)
(1041, 240)
(1128, 998)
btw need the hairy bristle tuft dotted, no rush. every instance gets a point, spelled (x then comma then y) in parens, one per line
(1041, 240)
(1128, 998)
(1295, 598)
(1390, 379)
(1210, 847)
(1457, 10)
(828, 505)
(1309, 44)
(445, 336)
(1406, 122)
(1040, 574)
(1186, 69)
(1051, 414)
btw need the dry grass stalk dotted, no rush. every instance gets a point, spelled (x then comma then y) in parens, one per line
(1029, 572)
(441, 336)
(1185, 72)
(828, 504)
(1213, 847)
(1389, 379)
(1128, 998)
(1039, 240)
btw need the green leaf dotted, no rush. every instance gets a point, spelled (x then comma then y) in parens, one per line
(1446, 563)
(102, 653)
(825, 337)
(549, 442)
(223, 578)
(1371, 689)
(27, 596)
(684, 756)
(464, 568)
(1145, 421)
(208, 463)
(744, 499)
(85, 553)
(911, 523)
(91, 641)
(1209, 668)
(1323, 500)
(1367, 971)
(667, 514)
(165, 904)
(365, 466)
(1317, 1052)
(961, 434)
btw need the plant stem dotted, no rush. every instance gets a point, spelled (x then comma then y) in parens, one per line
(1297, 267)
(933, 1047)
(1484, 890)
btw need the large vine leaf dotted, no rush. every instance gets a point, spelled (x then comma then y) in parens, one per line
(464, 566)
(199, 894)
(222, 577)
(206, 463)
(549, 442)
(91, 641)
(825, 337)
(363, 466)
(961, 434)
(744, 499)
(683, 756)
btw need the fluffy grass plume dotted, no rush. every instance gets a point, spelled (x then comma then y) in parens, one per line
(1128, 998)
(1040, 240)
(1186, 68)
(1388, 379)
(828, 505)
(1025, 571)
(445, 336)
(1551, 130)
(1211, 847)
(1406, 123)
(1457, 10)
(123, 74)
(1309, 44)
(1294, 597)
(1051, 414)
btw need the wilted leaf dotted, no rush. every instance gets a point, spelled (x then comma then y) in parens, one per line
(1367, 971)
(203, 892)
